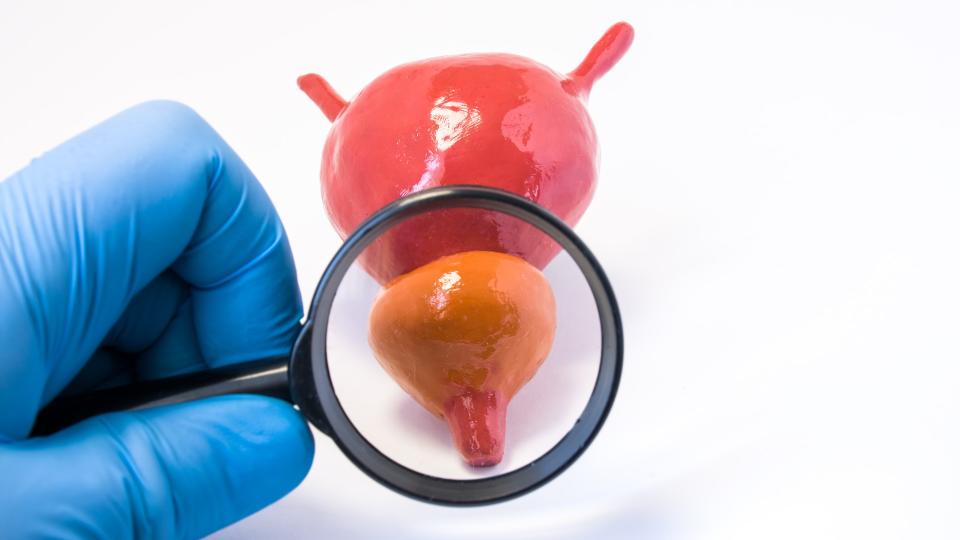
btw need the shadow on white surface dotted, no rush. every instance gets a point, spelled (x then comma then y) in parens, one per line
(409, 416)
(611, 518)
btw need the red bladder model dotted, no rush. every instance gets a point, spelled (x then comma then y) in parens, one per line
(497, 120)
(459, 325)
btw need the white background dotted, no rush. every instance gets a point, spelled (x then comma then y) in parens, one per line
(777, 208)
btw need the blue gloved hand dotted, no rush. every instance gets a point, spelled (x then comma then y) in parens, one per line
(142, 248)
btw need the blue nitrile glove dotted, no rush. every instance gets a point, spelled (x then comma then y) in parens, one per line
(142, 248)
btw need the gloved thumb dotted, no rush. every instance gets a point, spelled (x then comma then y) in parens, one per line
(180, 471)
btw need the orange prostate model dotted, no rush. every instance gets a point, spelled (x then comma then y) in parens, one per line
(462, 335)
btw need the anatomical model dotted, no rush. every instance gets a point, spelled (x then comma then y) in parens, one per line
(465, 317)
(462, 335)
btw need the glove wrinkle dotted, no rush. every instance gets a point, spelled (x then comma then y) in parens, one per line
(135, 490)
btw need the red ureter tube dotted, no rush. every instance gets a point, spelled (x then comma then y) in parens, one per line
(478, 420)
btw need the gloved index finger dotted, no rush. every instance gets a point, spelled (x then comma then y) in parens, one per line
(87, 225)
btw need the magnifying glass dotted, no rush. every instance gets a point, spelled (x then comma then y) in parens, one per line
(335, 380)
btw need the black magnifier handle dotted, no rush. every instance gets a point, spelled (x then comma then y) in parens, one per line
(266, 377)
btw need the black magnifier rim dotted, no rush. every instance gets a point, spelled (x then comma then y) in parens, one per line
(313, 390)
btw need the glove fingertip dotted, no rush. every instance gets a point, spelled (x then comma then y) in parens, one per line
(228, 457)
(179, 471)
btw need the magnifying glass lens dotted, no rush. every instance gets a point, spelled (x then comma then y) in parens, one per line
(453, 354)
